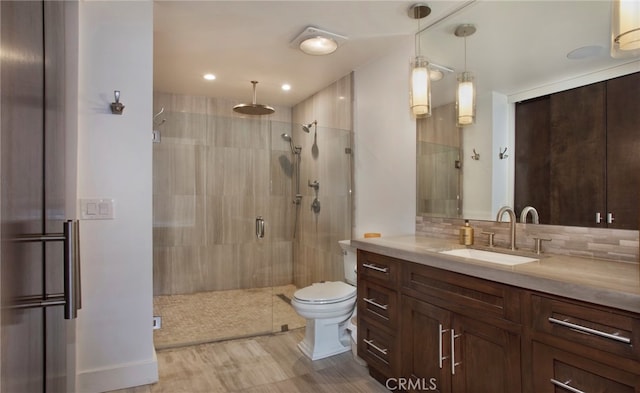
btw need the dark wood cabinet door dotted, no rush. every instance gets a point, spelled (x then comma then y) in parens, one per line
(425, 343)
(578, 155)
(487, 358)
(532, 165)
(558, 371)
(623, 150)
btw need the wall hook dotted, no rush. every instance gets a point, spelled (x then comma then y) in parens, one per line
(503, 154)
(117, 107)
(476, 155)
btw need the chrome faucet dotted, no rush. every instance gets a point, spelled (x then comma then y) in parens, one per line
(534, 215)
(512, 217)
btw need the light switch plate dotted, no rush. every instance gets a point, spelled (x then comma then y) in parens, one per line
(97, 209)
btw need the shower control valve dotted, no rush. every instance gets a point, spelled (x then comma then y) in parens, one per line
(315, 184)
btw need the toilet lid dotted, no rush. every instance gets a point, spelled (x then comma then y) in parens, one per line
(325, 292)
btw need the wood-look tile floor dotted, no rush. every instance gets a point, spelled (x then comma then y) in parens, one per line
(270, 363)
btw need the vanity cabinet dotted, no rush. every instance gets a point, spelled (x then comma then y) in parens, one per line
(576, 155)
(583, 347)
(451, 332)
(459, 330)
(378, 314)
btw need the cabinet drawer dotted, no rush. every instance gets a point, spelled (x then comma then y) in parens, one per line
(378, 268)
(607, 330)
(461, 293)
(379, 349)
(560, 371)
(378, 303)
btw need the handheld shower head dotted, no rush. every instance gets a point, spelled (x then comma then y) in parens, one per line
(294, 149)
(307, 127)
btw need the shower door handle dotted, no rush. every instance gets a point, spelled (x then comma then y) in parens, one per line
(259, 227)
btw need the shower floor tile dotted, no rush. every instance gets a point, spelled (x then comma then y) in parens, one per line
(220, 315)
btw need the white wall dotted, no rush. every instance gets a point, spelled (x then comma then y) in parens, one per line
(385, 146)
(114, 327)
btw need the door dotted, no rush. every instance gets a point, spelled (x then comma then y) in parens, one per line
(486, 358)
(425, 344)
(35, 297)
(578, 148)
(623, 145)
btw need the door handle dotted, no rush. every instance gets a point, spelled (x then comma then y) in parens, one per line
(72, 290)
(441, 331)
(453, 351)
(259, 227)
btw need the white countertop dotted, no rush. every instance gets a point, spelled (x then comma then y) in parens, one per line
(608, 283)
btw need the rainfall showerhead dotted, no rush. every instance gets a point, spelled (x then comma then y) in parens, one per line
(307, 127)
(253, 108)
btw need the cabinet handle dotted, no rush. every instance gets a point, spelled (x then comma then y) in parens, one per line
(585, 329)
(453, 351)
(374, 303)
(610, 218)
(441, 331)
(377, 348)
(376, 268)
(566, 386)
(598, 218)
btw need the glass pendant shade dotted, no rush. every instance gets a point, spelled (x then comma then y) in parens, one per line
(465, 100)
(420, 92)
(625, 28)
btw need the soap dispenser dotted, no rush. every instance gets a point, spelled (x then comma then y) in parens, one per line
(466, 234)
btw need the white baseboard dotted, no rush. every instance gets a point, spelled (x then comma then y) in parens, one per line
(118, 377)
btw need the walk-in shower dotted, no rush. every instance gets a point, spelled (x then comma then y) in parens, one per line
(213, 175)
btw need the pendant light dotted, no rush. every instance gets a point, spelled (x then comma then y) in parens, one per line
(625, 28)
(420, 89)
(466, 92)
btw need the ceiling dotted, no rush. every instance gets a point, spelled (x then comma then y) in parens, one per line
(517, 45)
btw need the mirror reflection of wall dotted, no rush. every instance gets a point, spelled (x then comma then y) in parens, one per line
(527, 62)
(439, 166)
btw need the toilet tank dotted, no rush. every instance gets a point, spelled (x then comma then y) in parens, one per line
(350, 258)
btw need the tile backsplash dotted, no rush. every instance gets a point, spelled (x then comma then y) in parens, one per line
(612, 244)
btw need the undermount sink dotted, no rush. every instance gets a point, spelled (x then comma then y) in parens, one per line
(489, 256)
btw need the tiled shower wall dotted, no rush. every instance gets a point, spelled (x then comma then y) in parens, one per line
(214, 172)
(317, 255)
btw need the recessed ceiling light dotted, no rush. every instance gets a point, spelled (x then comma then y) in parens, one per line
(286, 87)
(209, 77)
(586, 52)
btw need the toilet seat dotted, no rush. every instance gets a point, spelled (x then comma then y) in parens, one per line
(325, 293)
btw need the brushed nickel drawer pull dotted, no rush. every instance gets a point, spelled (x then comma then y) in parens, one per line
(374, 303)
(376, 268)
(585, 329)
(377, 348)
(453, 351)
(566, 386)
(441, 332)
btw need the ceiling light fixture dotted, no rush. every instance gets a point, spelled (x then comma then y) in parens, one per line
(286, 87)
(625, 28)
(209, 77)
(420, 93)
(466, 92)
(317, 42)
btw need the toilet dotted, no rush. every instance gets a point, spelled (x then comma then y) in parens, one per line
(328, 308)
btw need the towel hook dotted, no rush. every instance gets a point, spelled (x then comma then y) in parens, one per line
(117, 107)
(503, 154)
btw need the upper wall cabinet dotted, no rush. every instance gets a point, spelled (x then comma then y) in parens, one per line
(577, 158)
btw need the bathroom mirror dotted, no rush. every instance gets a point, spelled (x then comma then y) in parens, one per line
(520, 50)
